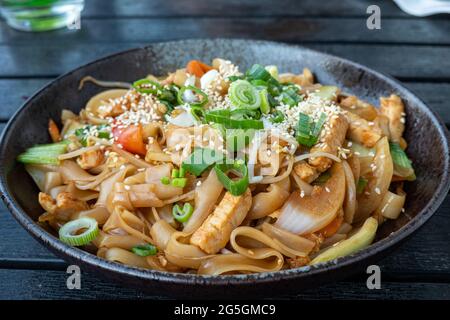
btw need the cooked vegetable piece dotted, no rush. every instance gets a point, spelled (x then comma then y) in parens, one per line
(79, 232)
(358, 241)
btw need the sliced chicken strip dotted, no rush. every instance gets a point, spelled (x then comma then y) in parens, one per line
(215, 231)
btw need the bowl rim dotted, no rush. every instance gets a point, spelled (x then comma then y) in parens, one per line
(93, 261)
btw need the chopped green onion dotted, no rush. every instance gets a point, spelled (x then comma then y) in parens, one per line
(319, 124)
(290, 96)
(277, 117)
(179, 182)
(265, 105)
(182, 214)
(258, 72)
(223, 117)
(175, 173)
(259, 83)
(235, 187)
(182, 172)
(165, 180)
(44, 154)
(144, 250)
(197, 92)
(273, 70)
(307, 132)
(303, 133)
(234, 78)
(402, 164)
(243, 95)
(362, 183)
(200, 160)
(79, 232)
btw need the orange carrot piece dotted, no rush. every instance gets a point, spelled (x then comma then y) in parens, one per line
(197, 68)
(53, 131)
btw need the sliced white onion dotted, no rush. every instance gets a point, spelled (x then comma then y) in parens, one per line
(184, 119)
(189, 96)
(190, 81)
(316, 155)
(258, 138)
(207, 78)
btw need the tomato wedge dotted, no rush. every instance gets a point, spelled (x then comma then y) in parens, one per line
(197, 68)
(131, 139)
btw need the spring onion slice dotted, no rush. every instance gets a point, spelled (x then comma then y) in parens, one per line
(179, 182)
(44, 154)
(144, 250)
(182, 214)
(223, 117)
(265, 105)
(165, 180)
(290, 96)
(203, 100)
(319, 124)
(277, 117)
(79, 232)
(273, 70)
(303, 133)
(307, 132)
(243, 95)
(258, 72)
(200, 160)
(235, 187)
(401, 161)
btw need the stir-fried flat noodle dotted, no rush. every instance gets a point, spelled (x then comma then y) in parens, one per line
(215, 172)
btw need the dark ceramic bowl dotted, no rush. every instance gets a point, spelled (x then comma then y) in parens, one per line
(28, 127)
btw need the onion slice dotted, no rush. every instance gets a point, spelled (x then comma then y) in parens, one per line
(307, 214)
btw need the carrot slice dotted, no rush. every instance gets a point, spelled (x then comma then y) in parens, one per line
(197, 68)
(332, 227)
(53, 131)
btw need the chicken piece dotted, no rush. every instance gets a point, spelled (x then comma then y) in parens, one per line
(63, 206)
(363, 131)
(297, 262)
(90, 159)
(361, 108)
(332, 138)
(304, 79)
(306, 172)
(215, 231)
(393, 108)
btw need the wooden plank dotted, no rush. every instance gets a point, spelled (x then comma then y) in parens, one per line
(14, 92)
(247, 8)
(424, 255)
(304, 30)
(30, 284)
(54, 59)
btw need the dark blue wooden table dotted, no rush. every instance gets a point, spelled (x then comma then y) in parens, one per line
(415, 51)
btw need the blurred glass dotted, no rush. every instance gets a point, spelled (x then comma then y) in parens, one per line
(42, 15)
